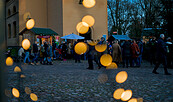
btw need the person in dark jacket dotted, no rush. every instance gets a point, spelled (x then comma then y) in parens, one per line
(140, 45)
(92, 55)
(126, 53)
(50, 54)
(161, 55)
(153, 47)
(76, 56)
(54, 49)
(64, 50)
(45, 54)
(35, 51)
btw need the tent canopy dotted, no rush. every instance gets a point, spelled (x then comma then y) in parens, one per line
(40, 31)
(121, 37)
(72, 36)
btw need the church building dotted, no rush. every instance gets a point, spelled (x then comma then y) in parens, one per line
(61, 16)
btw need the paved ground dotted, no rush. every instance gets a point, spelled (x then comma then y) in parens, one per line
(72, 82)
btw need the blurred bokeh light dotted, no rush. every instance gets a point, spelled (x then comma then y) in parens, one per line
(15, 92)
(27, 90)
(102, 78)
(82, 27)
(80, 48)
(121, 77)
(9, 61)
(30, 24)
(106, 60)
(117, 94)
(89, 20)
(126, 95)
(17, 69)
(89, 3)
(26, 44)
(112, 66)
(133, 100)
(100, 47)
(33, 97)
(92, 43)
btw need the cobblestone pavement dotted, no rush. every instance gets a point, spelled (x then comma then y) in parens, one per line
(72, 82)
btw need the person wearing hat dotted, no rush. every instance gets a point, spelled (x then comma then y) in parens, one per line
(161, 55)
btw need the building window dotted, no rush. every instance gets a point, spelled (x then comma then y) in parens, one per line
(14, 9)
(9, 30)
(14, 29)
(9, 12)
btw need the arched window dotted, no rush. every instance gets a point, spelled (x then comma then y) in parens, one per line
(9, 30)
(14, 29)
(14, 9)
(9, 12)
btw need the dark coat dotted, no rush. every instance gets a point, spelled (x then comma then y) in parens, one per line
(91, 52)
(161, 49)
(126, 49)
(35, 48)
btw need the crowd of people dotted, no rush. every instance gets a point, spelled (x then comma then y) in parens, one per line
(128, 52)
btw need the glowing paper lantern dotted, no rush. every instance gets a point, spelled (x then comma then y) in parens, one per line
(80, 48)
(89, 20)
(102, 78)
(27, 90)
(17, 69)
(89, 3)
(26, 44)
(9, 61)
(15, 92)
(30, 24)
(133, 100)
(112, 66)
(121, 77)
(106, 60)
(82, 27)
(33, 97)
(117, 94)
(100, 47)
(126, 95)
